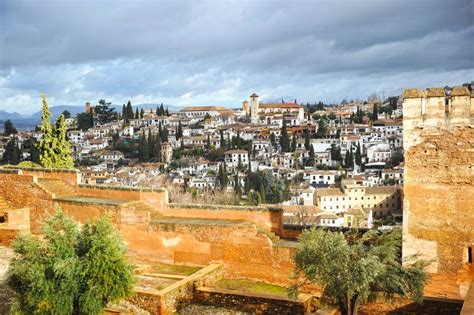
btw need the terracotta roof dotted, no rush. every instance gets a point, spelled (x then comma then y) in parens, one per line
(380, 190)
(280, 105)
(204, 108)
(412, 93)
(460, 91)
(236, 152)
(436, 92)
(329, 192)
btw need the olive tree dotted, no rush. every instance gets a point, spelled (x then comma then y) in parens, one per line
(72, 270)
(353, 269)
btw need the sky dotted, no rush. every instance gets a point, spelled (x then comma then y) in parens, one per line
(219, 52)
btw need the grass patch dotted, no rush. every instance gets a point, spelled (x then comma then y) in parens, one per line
(173, 269)
(251, 287)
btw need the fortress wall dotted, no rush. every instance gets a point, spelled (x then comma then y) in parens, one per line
(72, 177)
(240, 248)
(268, 217)
(21, 191)
(439, 177)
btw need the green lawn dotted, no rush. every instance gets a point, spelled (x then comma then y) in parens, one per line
(251, 287)
(173, 269)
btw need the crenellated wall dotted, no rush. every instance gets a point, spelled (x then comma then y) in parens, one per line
(438, 139)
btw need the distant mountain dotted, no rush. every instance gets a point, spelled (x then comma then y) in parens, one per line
(6, 115)
(30, 121)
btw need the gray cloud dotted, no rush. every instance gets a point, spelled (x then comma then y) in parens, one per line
(217, 52)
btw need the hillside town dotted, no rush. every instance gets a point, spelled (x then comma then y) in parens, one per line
(338, 165)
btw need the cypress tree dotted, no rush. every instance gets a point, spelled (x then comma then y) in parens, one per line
(311, 155)
(8, 128)
(237, 188)
(358, 155)
(151, 145)
(261, 192)
(179, 131)
(293, 144)
(162, 110)
(63, 146)
(375, 113)
(284, 139)
(142, 113)
(129, 114)
(307, 143)
(222, 140)
(158, 148)
(137, 115)
(124, 111)
(48, 143)
(164, 134)
(208, 143)
(167, 112)
(12, 154)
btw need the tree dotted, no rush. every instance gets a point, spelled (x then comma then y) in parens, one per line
(222, 176)
(307, 143)
(8, 128)
(63, 146)
(322, 129)
(143, 153)
(349, 159)
(311, 155)
(48, 142)
(129, 111)
(293, 143)
(13, 153)
(104, 113)
(164, 134)
(71, 271)
(179, 131)
(284, 138)
(66, 114)
(375, 112)
(142, 113)
(162, 110)
(85, 121)
(358, 155)
(158, 148)
(352, 269)
(137, 114)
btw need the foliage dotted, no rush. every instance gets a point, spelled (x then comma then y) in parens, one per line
(12, 153)
(28, 164)
(8, 128)
(104, 113)
(284, 138)
(66, 114)
(63, 146)
(73, 271)
(352, 269)
(85, 121)
(54, 148)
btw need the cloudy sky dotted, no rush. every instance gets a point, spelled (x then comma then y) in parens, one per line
(219, 52)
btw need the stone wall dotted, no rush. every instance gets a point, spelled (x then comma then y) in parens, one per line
(21, 191)
(265, 216)
(439, 177)
(17, 221)
(242, 250)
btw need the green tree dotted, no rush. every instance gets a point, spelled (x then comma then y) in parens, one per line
(358, 155)
(104, 113)
(164, 134)
(311, 155)
(307, 143)
(137, 114)
(66, 114)
(62, 145)
(179, 131)
(143, 153)
(71, 271)
(375, 113)
(352, 269)
(284, 138)
(85, 121)
(142, 113)
(48, 143)
(129, 111)
(222, 176)
(12, 153)
(293, 143)
(322, 129)
(8, 128)
(162, 110)
(158, 148)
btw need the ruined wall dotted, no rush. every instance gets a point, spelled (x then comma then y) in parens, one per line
(21, 191)
(438, 138)
(268, 217)
(72, 177)
(17, 222)
(242, 250)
